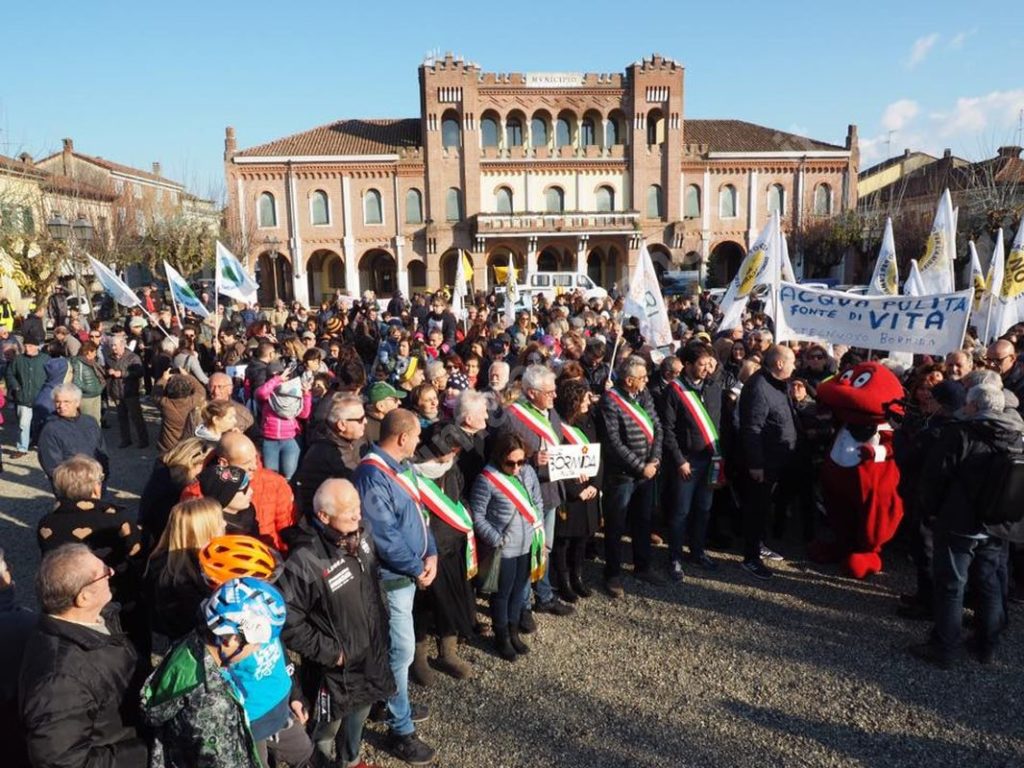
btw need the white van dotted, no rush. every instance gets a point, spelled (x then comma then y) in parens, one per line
(552, 284)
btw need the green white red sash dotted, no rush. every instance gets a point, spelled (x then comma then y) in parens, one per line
(574, 435)
(408, 482)
(513, 490)
(636, 412)
(455, 514)
(699, 413)
(535, 421)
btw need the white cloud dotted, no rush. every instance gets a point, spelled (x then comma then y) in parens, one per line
(899, 113)
(957, 41)
(921, 48)
(995, 112)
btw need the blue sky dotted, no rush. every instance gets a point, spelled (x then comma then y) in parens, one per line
(160, 81)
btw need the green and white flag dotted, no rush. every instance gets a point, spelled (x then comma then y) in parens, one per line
(232, 279)
(183, 293)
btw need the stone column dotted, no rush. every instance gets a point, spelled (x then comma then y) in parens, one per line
(348, 242)
(403, 273)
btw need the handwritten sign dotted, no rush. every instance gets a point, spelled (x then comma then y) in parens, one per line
(568, 462)
(932, 325)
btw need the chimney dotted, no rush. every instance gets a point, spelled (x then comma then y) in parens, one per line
(851, 136)
(230, 147)
(906, 152)
(156, 168)
(947, 153)
(69, 147)
(1010, 152)
(26, 158)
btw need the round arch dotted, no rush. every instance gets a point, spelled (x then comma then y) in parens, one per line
(325, 274)
(725, 261)
(274, 275)
(417, 276)
(499, 257)
(378, 273)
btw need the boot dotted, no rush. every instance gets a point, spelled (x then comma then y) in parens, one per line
(448, 658)
(503, 644)
(421, 672)
(517, 644)
(565, 590)
(576, 581)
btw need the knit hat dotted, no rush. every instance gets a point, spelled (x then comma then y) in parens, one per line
(221, 483)
(332, 326)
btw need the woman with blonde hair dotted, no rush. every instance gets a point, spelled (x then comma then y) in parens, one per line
(218, 417)
(175, 584)
(176, 469)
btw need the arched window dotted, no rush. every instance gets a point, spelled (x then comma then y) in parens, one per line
(453, 205)
(267, 210)
(655, 202)
(413, 207)
(727, 202)
(605, 199)
(318, 209)
(539, 132)
(513, 132)
(823, 200)
(373, 212)
(776, 199)
(588, 135)
(655, 127)
(503, 200)
(691, 202)
(563, 133)
(451, 134)
(611, 132)
(554, 199)
(489, 132)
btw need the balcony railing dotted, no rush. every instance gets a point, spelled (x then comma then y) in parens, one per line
(576, 221)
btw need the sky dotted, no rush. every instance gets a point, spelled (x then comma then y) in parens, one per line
(145, 82)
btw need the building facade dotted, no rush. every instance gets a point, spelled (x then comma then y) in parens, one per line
(553, 171)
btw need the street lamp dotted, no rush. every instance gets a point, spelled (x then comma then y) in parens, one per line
(272, 244)
(79, 233)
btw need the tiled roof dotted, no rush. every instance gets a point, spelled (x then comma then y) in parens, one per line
(741, 136)
(127, 170)
(63, 185)
(17, 166)
(345, 137)
(896, 160)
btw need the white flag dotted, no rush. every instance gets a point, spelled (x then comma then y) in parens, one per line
(511, 293)
(114, 285)
(914, 286)
(937, 263)
(645, 302)
(759, 267)
(183, 293)
(232, 279)
(1010, 306)
(979, 290)
(886, 277)
(459, 289)
(994, 286)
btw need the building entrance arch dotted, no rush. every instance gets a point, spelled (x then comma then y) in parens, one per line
(325, 274)
(378, 272)
(726, 258)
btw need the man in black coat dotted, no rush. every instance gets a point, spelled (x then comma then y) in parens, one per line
(336, 619)
(767, 444)
(335, 450)
(79, 684)
(16, 626)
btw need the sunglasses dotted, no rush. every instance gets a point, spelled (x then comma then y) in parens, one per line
(514, 464)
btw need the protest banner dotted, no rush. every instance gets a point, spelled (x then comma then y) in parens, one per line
(568, 462)
(932, 325)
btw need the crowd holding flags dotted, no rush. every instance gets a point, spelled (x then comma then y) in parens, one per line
(761, 266)
(231, 278)
(459, 289)
(645, 302)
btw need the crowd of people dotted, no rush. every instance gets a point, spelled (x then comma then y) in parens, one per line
(337, 487)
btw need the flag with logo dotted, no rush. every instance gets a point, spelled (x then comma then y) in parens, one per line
(993, 287)
(759, 268)
(232, 279)
(645, 302)
(511, 293)
(183, 293)
(936, 265)
(979, 290)
(1010, 306)
(885, 281)
(114, 285)
(914, 285)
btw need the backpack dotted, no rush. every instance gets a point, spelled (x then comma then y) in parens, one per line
(1000, 500)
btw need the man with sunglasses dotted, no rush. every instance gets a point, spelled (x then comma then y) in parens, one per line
(79, 683)
(1002, 358)
(335, 449)
(336, 619)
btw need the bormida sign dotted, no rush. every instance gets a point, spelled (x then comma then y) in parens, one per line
(555, 79)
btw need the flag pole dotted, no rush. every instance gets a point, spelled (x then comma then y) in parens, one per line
(148, 314)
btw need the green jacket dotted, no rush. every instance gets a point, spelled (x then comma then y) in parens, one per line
(88, 377)
(197, 719)
(25, 377)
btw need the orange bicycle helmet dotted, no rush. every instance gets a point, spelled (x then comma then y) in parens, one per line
(234, 556)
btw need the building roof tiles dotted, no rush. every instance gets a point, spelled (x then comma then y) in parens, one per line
(344, 137)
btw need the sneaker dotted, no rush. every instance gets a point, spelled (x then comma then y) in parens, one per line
(410, 749)
(527, 624)
(675, 572)
(555, 607)
(648, 576)
(770, 554)
(705, 563)
(757, 569)
(613, 587)
(419, 713)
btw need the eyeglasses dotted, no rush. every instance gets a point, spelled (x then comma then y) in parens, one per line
(998, 360)
(815, 357)
(513, 464)
(358, 419)
(108, 572)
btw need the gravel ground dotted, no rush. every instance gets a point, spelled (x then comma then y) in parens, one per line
(807, 670)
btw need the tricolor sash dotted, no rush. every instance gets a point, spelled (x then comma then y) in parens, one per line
(512, 489)
(536, 422)
(455, 514)
(699, 413)
(636, 412)
(574, 435)
(408, 482)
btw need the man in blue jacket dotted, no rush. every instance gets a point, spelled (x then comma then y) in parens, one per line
(389, 493)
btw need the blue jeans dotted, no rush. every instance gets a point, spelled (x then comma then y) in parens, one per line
(953, 558)
(400, 655)
(342, 738)
(506, 607)
(686, 497)
(24, 426)
(627, 500)
(281, 456)
(545, 594)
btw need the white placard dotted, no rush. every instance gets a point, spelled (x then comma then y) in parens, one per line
(555, 79)
(568, 462)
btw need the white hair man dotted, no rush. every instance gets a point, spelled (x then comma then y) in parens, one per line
(68, 433)
(334, 451)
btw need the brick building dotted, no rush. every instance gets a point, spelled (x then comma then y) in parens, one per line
(557, 171)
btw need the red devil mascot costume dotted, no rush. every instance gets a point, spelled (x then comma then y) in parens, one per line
(860, 476)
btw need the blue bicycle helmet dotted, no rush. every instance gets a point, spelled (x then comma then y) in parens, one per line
(247, 607)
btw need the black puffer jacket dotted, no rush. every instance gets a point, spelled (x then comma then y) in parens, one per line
(329, 455)
(79, 690)
(335, 607)
(625, 448)
(767, 423)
